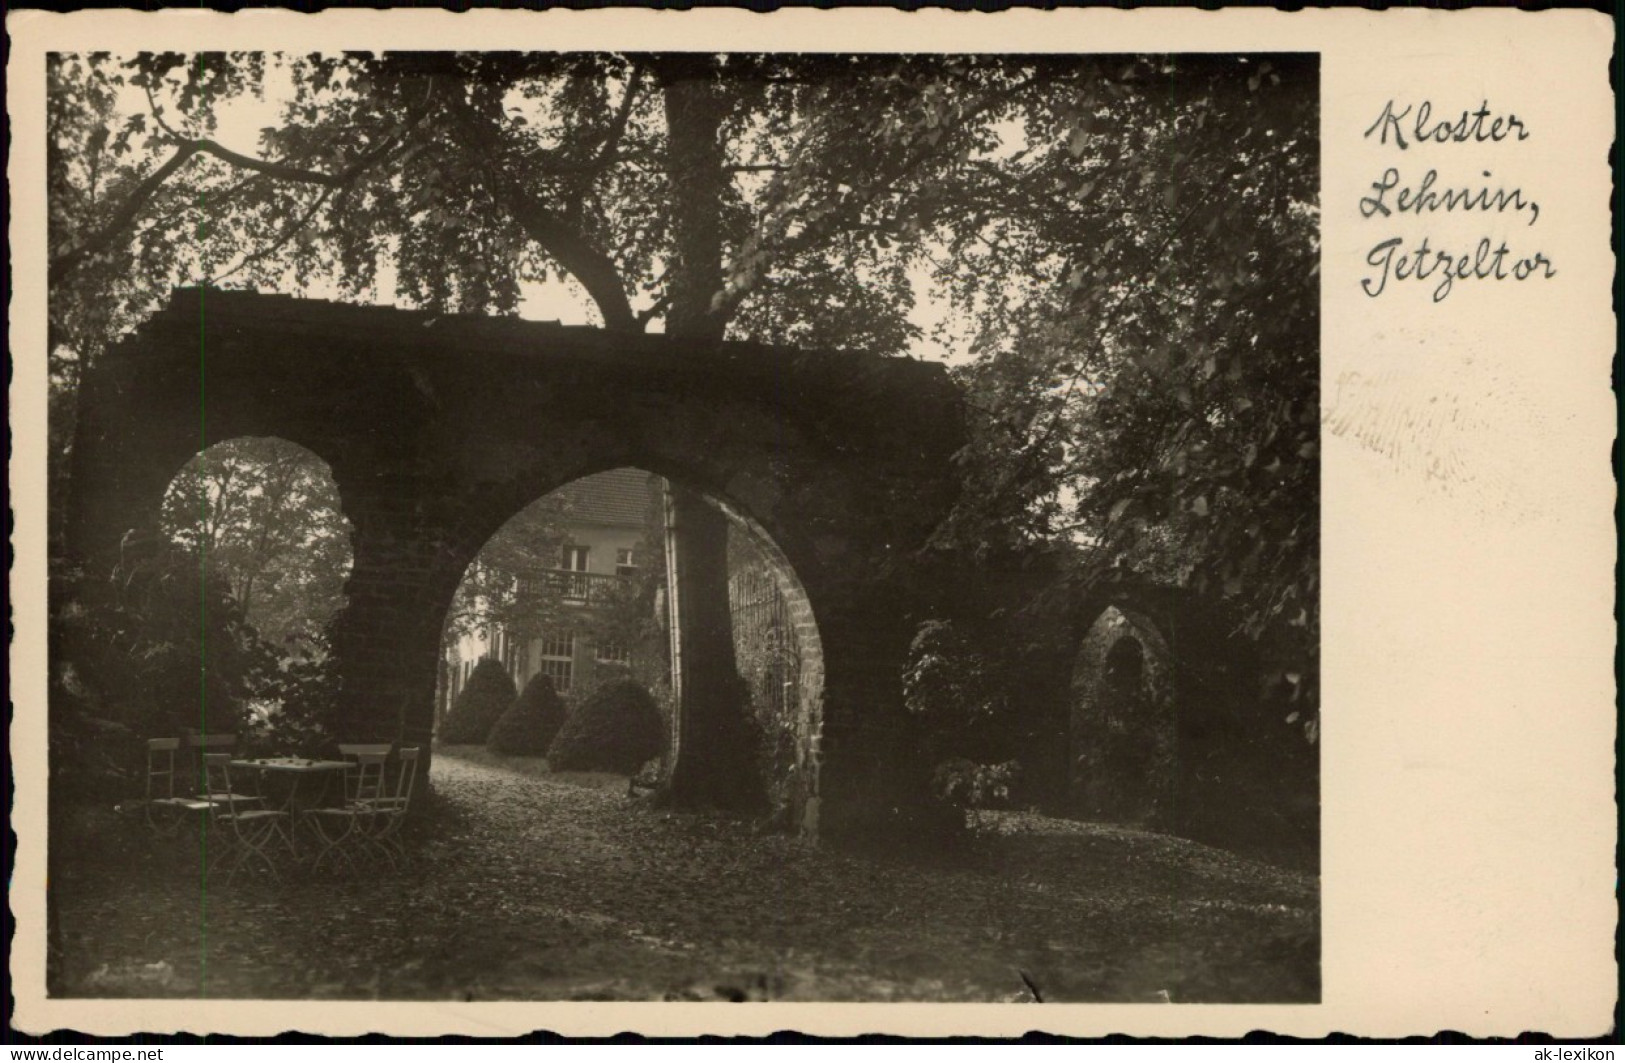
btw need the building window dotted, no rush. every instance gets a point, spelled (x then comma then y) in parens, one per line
(626, 562)
(573, 559)
(613, 653)
(558, 654)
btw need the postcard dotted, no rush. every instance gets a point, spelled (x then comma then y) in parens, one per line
(840, 521)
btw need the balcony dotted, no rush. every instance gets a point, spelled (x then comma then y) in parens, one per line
(579, 588)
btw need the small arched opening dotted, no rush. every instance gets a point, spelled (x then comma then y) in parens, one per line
(1124, 762)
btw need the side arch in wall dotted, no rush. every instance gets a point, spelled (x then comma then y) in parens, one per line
(1124, 756)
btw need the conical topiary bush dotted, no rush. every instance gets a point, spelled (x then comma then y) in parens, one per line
(617, 728)
(531, 722)
(486, 697)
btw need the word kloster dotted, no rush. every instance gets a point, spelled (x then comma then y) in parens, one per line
(1481, 126)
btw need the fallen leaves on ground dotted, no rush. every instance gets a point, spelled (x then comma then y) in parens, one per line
(531, 886)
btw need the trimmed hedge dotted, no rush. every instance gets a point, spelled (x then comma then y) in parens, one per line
(486, 697)
(617, 728)
(531, 722)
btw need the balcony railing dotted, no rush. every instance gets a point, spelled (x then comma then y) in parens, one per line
(579, 588)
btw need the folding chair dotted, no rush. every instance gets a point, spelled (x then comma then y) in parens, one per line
(370, 826)
(163, 809)
(360, 785)
(347, 831)
(245, 833)
(392, 811)
(204, 746)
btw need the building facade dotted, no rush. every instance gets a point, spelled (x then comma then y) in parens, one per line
(602, 622)
(601, 612)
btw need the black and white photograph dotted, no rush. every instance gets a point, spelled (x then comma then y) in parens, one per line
(684, 526)
(568, 521)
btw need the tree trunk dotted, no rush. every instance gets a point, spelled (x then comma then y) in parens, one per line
(713, 761)
(695, 108)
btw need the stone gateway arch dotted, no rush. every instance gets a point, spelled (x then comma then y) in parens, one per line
(438, 428)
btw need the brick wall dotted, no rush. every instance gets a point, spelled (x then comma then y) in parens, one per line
(781, 659)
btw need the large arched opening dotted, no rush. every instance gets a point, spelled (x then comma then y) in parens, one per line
(576, 588)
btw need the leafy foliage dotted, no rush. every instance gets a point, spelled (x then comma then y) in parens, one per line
(265, 512)
(966, 784)
(162, 647)
(499, 588)
(297, 707)
(157, 648)
(950, 683)
(617, 728)
(959, 686)
(479, 705)
(531, 723)
(770, 654)
(630, 614)
(1157, 399)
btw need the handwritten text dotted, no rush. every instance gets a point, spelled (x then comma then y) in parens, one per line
(1395, 195)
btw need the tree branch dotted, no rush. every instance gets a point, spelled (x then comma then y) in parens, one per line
(1036, 450)
(617, 129)
(281, 242)
(184, 150)
(293, 230)
(812, 235)
(279, 170)
(660, 306)
(158, 114)
(68, 261)
(65, 263)
(565, 243)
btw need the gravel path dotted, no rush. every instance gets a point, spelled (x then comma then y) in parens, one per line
(544, 887)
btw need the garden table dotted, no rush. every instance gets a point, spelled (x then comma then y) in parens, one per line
(296, 770)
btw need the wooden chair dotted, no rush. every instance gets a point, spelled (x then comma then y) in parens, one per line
(203, 746)
(345, 832)
(243, 832)
(165, 810)
(359, 784)
(392, 811)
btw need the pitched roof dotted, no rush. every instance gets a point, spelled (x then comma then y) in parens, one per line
(618, 497)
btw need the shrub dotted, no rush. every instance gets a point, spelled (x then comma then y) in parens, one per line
(966, 784)
(617, 728)
(143, 650)
(486, 697)
(951, 682)
(297, 710)
(531, 722)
